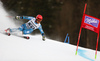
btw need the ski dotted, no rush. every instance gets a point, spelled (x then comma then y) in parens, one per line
(5, 33)
(25, 37)
(9, 34)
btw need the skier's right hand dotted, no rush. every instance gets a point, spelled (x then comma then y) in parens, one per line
(43, 38)
(17, 17)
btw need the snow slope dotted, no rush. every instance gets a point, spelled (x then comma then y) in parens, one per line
(14, 48)
(5, 22)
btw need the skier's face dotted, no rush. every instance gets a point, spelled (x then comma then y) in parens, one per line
(38, 20)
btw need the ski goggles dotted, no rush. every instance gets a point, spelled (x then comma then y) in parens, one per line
(39, 20)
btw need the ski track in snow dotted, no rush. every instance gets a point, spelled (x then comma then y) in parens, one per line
(82, 53)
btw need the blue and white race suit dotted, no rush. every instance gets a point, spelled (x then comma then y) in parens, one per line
(30, 26)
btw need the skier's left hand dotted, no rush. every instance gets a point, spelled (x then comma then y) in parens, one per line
(17, 17)
(43, 38)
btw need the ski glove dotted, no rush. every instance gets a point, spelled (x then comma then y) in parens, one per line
(17, 17)
(43, 38)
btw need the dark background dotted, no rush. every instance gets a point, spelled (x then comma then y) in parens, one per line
(59, 17)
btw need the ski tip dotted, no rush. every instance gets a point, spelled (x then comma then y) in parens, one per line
(8, 34)
(26, 37)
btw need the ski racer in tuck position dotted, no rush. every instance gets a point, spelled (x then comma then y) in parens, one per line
(30, 26)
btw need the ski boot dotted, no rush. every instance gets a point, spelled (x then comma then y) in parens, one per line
(8, 31)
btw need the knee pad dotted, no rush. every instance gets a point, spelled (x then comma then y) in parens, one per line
(20, 28)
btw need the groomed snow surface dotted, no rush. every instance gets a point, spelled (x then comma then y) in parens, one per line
(13, 48)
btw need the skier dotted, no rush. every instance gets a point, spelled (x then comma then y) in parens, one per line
(30, 26)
